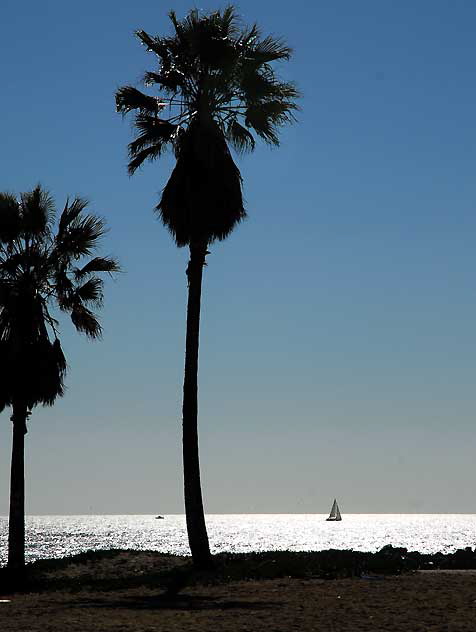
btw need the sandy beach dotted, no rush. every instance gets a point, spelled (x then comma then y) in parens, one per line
(425, 600)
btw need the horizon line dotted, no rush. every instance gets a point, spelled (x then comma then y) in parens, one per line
(266, 513)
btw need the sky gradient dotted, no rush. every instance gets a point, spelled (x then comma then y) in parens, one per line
(337, 343)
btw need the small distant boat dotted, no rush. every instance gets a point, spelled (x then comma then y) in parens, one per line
(159, 517)
(335, 513)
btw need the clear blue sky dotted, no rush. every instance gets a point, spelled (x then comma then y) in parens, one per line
(338, 347)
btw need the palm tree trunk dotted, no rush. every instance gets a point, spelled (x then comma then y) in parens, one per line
(16, 523)
(196, 528)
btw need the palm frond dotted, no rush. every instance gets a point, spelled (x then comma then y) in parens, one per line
(288, 92)
(85, 321)
(181, 26)
(170, 77)
(265, 118)
(154, 131)
(14, 265)
(64, 289)
(258, 85)
(150, 78)
(10, 219)
(241, 138)
(71, 212)
(154, 44)
(229, 22)
(80, 238)
(262, 125)
(129, 98)
(91, 291)
(160, 128)
(97, 264)
(248, 36)
(38, 212)
(268, 50)
(149, 153)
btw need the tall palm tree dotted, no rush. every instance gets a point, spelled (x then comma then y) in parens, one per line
(216, 86)
(40, 270)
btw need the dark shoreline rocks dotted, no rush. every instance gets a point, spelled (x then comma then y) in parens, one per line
(333, 563)
(104, 570)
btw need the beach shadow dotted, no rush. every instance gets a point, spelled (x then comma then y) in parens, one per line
(179, 602)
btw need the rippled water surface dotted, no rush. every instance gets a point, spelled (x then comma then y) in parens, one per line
(57, 536)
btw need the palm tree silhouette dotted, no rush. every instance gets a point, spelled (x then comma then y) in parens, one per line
(218, 87)
(39, 270)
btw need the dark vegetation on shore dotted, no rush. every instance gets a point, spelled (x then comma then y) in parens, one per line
(124, 569)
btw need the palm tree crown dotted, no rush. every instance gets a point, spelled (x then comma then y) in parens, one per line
(39, 269)
(218, 86)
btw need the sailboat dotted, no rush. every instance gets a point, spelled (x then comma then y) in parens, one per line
(335, 513)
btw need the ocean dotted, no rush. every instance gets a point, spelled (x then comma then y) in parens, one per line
(58, 536)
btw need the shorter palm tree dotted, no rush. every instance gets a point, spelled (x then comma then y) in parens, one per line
(40, 270)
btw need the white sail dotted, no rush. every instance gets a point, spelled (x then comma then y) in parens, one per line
(335, 513)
